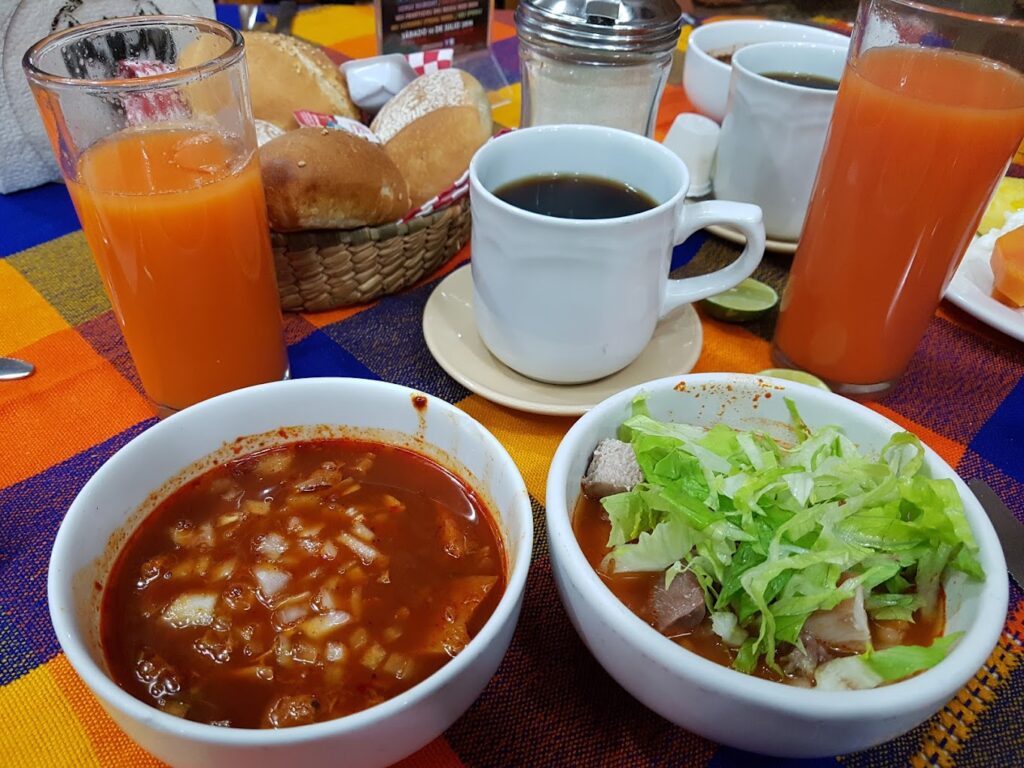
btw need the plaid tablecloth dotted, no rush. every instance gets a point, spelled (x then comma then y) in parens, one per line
(550, 704)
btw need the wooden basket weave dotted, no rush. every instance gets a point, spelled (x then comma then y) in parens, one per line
(326, 269)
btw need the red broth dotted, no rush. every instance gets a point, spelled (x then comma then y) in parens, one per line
(300, 584)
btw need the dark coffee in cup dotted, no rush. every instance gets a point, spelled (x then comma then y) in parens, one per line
(805, 80)
(575, 196)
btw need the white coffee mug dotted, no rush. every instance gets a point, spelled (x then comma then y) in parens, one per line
(774, 132)
(573, 300)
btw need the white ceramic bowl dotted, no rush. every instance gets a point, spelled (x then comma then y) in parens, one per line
(706, 79)
(115, 499)
(715, 701)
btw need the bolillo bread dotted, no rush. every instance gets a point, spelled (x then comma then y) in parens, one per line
(322, 178)
(285, 74)
(432, 128)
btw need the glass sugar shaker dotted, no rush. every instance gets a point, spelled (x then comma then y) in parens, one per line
(599, 62)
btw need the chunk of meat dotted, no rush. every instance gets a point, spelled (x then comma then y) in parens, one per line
(450, 633)
(286, 711)
(680, 607)
(844, 627)
(801, 662)
(613, 469)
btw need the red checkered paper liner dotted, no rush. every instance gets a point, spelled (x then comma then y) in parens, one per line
(424, 62)
(147, 107)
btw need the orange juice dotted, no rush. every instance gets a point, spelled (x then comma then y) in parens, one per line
(919, 138)
(177, 223)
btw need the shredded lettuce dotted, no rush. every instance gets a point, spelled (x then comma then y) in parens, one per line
(776, 531)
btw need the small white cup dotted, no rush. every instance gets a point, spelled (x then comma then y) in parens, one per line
(773, 133)
(571, 300)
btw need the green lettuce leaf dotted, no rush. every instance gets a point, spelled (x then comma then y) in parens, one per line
(902, 661)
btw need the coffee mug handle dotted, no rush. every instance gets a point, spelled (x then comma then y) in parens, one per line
(744, 217)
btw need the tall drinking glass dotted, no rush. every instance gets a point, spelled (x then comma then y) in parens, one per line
(929, 113)
(160, 160)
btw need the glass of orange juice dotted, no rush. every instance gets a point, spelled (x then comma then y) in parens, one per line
(150, 122)
(929, 113)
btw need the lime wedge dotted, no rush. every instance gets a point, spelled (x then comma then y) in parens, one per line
(800, 377)
(747, 301)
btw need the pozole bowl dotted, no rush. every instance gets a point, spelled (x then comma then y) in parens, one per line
(706, 78)
(117, 497)
(718, 702)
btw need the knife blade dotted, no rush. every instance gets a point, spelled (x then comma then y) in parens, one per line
(12, 368)
(1008, 528)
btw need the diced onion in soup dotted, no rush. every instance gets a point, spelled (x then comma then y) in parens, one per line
(361, 549)
(274, 463)
(312, 546)
(191, 609)
(290, 614)
(303, 503)
(356, 602)
(223, 571)
(322, 625)
(362, 465)
(272, 546)
(253, 507)
(358, 638)
(304, 653)
(360, 529)
(335, 651)
(398, 665)
(373, 656)
(328, 551)
(204, 536)
(271, 580)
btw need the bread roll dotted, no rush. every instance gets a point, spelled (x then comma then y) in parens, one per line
(432, 128)
(285, 74)
(323, 178)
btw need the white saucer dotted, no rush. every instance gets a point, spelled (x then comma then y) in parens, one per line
(450, 331)
(775, 246)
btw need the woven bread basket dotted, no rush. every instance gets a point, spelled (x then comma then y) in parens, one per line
(326, 269)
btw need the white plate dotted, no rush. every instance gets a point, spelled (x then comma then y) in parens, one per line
(971, 290)
(450, 331)
(775, 246)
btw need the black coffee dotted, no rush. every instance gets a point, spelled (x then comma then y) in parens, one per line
(575, 197)
(807, 81)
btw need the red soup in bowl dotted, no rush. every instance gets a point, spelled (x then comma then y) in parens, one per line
(299, 584)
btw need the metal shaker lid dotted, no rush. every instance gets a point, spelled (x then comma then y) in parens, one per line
(641, 26)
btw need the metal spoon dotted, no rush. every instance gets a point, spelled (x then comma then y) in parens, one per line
(11, 368)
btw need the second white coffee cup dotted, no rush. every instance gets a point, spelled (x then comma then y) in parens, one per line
(573, 300)
(774, 132)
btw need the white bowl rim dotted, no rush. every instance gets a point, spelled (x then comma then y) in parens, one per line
(961, 664)
(60, 598)
(695, 40)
